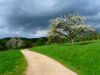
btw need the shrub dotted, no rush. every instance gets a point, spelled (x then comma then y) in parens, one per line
(40, 42)
(3, 45)
(28, 44)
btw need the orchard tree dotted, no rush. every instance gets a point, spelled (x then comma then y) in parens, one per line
(86, 29)
(92, 30)
(14, 43)
(54, 34)
(70, 26)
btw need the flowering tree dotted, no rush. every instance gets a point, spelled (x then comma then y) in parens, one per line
(14, 43)
(70, 26)
(85, 29)
(92, 30)
(54, 33)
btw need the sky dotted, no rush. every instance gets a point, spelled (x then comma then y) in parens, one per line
(30, 18)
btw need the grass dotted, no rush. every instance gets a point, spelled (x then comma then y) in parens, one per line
(82, 58)
(12, 63)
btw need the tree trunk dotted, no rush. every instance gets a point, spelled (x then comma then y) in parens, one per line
(93, 37)
(72, 41)
(81, 38)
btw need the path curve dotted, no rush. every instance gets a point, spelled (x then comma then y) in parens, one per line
(39, 64)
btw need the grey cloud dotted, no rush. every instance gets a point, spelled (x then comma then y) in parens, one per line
(30, 16)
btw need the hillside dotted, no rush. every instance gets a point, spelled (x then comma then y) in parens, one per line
(83, 58)
(23, 38)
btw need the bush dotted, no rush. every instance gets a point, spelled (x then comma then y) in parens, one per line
(40, 42)
(3, 45)
(28, 44)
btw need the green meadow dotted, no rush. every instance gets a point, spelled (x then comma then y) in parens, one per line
(83, 58)
(12, 63)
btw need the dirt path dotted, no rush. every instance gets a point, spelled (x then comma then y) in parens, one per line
(39, 64)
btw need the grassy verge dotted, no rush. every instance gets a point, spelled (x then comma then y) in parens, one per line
(12, 63)
(81, 58)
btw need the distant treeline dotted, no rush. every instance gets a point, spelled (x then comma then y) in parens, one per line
(28, 42)
(32, 42)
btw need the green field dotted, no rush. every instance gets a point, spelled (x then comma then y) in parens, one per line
(12, 63)
(83, 58)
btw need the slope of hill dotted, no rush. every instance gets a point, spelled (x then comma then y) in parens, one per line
(81, 58)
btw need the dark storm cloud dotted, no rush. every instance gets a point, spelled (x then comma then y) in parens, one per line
(33, 15)
(28, 22)
(30, 17)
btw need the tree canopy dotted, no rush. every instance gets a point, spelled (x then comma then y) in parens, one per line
(68, 26)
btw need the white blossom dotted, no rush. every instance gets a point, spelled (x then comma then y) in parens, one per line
(15, 43)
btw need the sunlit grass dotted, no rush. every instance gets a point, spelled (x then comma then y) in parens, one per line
(12, 63)
(83, 58)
